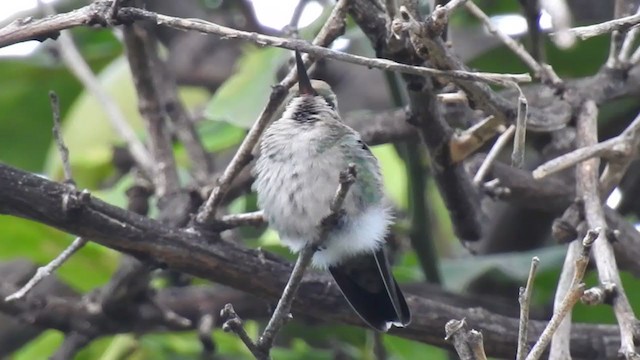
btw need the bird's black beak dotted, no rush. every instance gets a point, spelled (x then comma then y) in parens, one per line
(304, 84)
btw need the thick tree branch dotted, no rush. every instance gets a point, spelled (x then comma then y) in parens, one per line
(30, 196)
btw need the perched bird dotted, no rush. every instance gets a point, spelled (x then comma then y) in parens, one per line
(302, 155)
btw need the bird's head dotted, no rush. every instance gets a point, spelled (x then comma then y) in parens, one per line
(313, 88)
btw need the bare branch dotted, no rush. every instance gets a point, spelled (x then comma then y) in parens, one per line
(143, 60)
(573, 295)
(466, 142)
(317, 51)
(587, 183)
(281, 313)
(79, 67)
(232, 322)
(561, 340)
(48, 27)
(8, 37)
(618, 38)
(617, 167)
(524, 298)
(517, 157)
(611, 148)
(57, 136)
(231, 221)
(545, 73)
(47, 270)
(502, 141)
(79, 242)
(622, 24)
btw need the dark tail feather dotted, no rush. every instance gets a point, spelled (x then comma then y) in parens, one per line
(369, 287)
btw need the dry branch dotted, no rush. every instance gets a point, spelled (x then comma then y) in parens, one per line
(588, 190)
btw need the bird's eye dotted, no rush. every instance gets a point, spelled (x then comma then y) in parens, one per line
(363, 146)
(330, 103)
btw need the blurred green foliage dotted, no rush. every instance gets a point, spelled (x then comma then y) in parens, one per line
(25, 142)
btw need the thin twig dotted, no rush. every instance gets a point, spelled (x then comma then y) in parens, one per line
(333, 28)
(79, 67)
(613, 148)
(184, 127)
(291, 29)
(458, 97)
(316, 51)
(524, 298)
(627, 45)
(57, 136)
(574, 294)
(170, 317)
(622, 8)
(255, 218)
(445, 10)
(517, 157)
(45, 271)
(545, 73)
(234, 323)
(79, 242)
(281, 313)
(143, 58)
(466, 142)
(502, 141)
(561, 340)
(609, 148)
(616, 168)
(586, 32)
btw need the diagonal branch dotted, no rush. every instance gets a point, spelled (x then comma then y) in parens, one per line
(281, 313)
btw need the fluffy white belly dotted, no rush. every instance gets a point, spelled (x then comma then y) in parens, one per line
(363, 233)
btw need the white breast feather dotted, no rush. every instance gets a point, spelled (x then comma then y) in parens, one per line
(363, 234)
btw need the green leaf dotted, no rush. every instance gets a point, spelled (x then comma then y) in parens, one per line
(394, 174)
(399, 348)
(26, 120)
(41, 244)
(458, 273)
(88, 133)
(242, 97)
(217, 135)
(41, 347)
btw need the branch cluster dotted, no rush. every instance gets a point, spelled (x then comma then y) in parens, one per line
(184, 237)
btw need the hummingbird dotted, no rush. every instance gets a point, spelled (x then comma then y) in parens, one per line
(296, 176)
